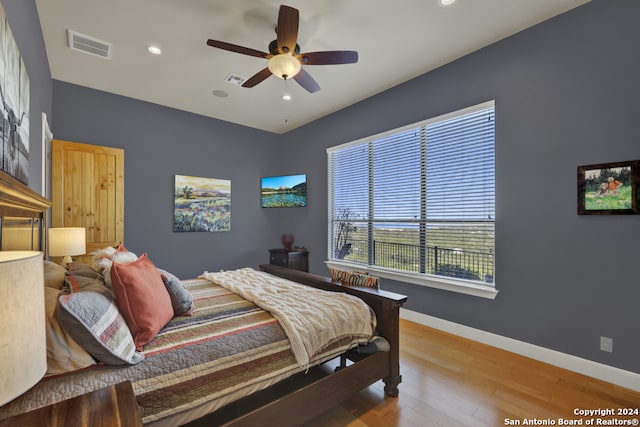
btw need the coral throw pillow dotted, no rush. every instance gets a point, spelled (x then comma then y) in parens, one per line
(142, 298)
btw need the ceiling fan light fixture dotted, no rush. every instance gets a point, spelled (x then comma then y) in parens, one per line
(284, 66)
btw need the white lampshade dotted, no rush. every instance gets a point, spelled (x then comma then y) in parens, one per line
(67, 241)
(23, 343)
(284, 65)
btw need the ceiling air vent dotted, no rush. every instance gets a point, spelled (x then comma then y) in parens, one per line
(90, 45)
(235, 79)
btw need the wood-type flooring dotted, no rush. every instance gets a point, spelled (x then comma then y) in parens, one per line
(451, 381)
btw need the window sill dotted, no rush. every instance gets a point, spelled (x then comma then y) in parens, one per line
(461, 286)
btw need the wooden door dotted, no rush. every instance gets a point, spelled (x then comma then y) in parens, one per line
(87, 190)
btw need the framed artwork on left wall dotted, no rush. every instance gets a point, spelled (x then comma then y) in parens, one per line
(14, 106)
(201, 204)
(608, 188)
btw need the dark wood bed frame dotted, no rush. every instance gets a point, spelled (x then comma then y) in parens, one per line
(299, 398)
(307, 395)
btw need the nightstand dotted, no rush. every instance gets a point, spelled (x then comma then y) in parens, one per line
(113, 406)
(295, 259)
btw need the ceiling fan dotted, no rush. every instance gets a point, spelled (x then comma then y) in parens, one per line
(285, 59)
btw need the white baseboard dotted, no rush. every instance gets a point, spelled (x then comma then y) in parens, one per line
(627, 379)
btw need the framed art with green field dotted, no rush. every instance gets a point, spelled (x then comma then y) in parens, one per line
(201, 204)
(608, 188)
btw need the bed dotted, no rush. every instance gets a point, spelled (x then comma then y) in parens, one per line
(229, 361)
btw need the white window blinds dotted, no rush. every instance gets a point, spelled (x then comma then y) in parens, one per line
(419, 199)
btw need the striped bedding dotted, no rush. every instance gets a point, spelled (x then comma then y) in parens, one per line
(228, 349)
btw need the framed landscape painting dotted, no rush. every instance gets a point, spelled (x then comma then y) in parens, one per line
(201, 204)
(286, 191)
(608, 188)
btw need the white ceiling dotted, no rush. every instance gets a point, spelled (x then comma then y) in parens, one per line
(396, 41)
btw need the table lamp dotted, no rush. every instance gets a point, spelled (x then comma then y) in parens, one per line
(66, 242)
(23, 342)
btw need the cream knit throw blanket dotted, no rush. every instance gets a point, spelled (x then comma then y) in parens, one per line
(312, 318)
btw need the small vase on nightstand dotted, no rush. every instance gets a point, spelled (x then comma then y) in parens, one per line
(287, 241)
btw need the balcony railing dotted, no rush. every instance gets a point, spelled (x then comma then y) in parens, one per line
(459, 263)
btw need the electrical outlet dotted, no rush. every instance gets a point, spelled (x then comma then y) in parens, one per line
(606, 344)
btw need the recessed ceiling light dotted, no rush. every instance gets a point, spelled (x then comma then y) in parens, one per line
(286, 97)
(447, 2)
(154, 50)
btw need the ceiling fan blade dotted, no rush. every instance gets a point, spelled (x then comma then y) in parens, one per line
(257, 78)
(330, 57)
(288, 19)
(238, 49)
(306, 81)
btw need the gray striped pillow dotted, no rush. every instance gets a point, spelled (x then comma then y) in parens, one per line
(92, 319)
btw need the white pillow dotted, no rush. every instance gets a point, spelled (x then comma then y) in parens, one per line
(63, 353)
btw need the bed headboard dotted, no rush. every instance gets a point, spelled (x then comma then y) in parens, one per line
(23, 216)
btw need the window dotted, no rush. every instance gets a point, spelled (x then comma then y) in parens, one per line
(418, 203)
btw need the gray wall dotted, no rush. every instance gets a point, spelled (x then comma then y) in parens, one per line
(23, 19)
(567, 94)
(159, 143)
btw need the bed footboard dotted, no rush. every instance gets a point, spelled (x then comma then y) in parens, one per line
(385, 304)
